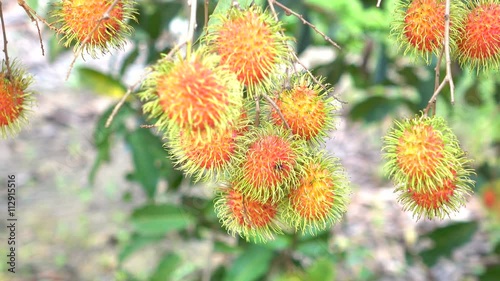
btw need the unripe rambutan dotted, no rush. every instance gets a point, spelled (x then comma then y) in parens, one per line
(320, 198)
(268, 163)
(419, 25)
(15, 99)
(420, 152)
(251, 43)
(306, 108)
(81, 19)
(193, 93)
(439, 202)
(479, 40)
(250, 218)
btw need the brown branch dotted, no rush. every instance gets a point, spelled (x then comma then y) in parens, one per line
(257, 111)
(289, 11)
(275, 106)
(7, 63)
(448, 77)
(30, 12)
(133, 86)
(79, 51)
(206, 14)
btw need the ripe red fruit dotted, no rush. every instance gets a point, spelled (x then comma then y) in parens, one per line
(479, 39)
(250, 218)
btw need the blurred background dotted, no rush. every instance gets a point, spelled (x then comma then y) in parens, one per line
(98, 203)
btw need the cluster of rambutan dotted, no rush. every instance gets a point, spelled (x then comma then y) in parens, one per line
(228, 119)
(429, 168)
(419, 25)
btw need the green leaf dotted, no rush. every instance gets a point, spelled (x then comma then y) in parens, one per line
(100, 83)
(33, 4)
(321, 270)
(131, 57)
(374, 109)
(157, 220)
(491, 273)
(102, 135)
(55, 48)
(251, 265)
(223, 6)
(144, 147)
(168, 264)
(447, 239)
(136, 243)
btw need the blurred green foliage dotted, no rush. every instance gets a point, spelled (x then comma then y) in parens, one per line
(384, 85)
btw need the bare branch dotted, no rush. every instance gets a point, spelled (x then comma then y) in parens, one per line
(378, 3)
(289, 11)
(32, 14)
(275, 106)
(192, 25)
(257, 111)
(7, 63)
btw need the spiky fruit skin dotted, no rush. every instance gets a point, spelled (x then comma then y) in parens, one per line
(251, 44)
(428, 167)
(193, 93)
(250, 218)
(268, 163)
(440, 202)
(320, 198)
(306, 108)
(15, 99)
(80, 20)
(419, 25)
(479, 40)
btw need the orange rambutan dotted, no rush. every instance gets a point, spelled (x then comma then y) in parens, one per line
(193, 93)
(267, 163)
(321, 196)
(439, 202)
(250, 218)
(420, 152)
(306, 108)
(96, 21)
(479, 39)
(419, 25)
(15, 99)
(251, 43)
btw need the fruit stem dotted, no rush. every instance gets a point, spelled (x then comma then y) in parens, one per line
(448, 78)
(192, 25)
(30, 14)
(257, 111)
(273, 104)
(5, 44)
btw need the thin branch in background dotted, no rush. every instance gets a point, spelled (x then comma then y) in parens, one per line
(275, 106)
(135, 85)
(32, 14)
(437, 77)
(80, 49)
(28, 10)
(192, 25)
(288, 11)
(7, 63)
(257, 111)
(206, 14)
(378, 3)
(448, 77)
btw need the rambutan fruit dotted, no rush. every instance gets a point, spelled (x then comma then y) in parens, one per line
(251, 44)
(419, 25)
(306, 108)
(268, 163)
(420, 152)
(15, 99)
(438, 202)
(479, 37)
(320, 198)
(250, 218)
(90, 20)
(193, 93)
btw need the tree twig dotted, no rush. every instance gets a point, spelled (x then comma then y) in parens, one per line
(7, 63)
(192, 25)
(257, 111)
(378, 3)
(206, 14)
(80, 49)
(304, 21)
(30, 12)
(448, 77)
(275, 106)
